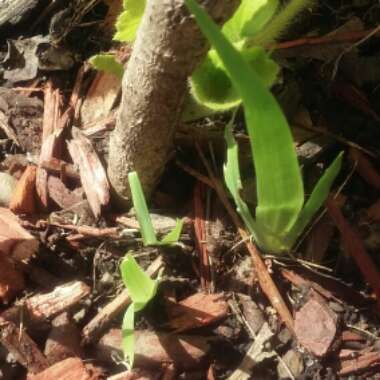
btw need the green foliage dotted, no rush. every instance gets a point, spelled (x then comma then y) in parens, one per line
(253, 24)
(147, 231)
(280, 22)
(280, 194)
(141, 289)
(129, 20)
(107, 63)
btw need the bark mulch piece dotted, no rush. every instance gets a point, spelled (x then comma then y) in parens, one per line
(196, 311)
(315, 325)
(68, 369)
(157, 349)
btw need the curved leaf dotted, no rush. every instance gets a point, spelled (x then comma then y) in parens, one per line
(107, 63)
(211, 84)
(279, 185)
(129, 20)
(316, 200)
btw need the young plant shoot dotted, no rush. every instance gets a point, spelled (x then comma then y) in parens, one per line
(146, 227)
(141, 289)
(281, 214)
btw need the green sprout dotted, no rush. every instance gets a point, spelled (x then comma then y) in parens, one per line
(141, 289)
(146, 227)
(281, 213)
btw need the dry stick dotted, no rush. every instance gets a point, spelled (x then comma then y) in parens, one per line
(265, 280)
(354, 246)
(326, 40)
(92, 331)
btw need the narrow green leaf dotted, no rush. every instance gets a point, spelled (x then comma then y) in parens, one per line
(141, 287)
(279, 185)
(316, 199)
(127, 332)
(249, 18)
(173, 236)
(129, 20)
(107, 63)
(279, 23)
(141, 208)
(233, 180)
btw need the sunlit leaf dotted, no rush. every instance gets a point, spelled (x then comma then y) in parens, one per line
(129, 20)
(141, 287)
(316, 199)
(141, 208)
(211, 84)
(127, 333)
(279, 184)
(173, 236)
(249, 18)
(107, 63)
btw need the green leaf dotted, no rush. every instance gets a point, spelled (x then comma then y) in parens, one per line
(280, 22)
(211, 84)
(316, 199)
(129, 20)
(173, 236)
(127, 333)
(233, 180)
(279, 186)
(141, 208)
(141, 287)
(249, 18)
(107, 63)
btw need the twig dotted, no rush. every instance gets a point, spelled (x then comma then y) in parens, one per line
(265, 280)
(354, 246)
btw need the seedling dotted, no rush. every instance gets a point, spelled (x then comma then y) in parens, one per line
(141, 289)
(281, 214)
(146, 227)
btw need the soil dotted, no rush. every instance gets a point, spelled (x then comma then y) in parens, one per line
(62, 303)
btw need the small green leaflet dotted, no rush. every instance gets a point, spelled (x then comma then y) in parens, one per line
(107, 63)
(146, 226)
(211, 84)
(249, 18)
(129, 20)
(315, 201)
(141, 289)
(141, 208)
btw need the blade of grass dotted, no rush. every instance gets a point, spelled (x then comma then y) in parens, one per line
(279, 185)
(316, 200)
(173, 236)
(139, 203)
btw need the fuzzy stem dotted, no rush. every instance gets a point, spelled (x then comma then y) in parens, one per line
(280, 22)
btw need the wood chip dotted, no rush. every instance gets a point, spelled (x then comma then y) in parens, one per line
(11, 280)
(22, 347)
(63, 340)
(24, 196)
(315, 325)
(61, 195)
(196, 311)
(15, 241)
(45, 306)
(155, 349)
(93, 175)
(68, 369)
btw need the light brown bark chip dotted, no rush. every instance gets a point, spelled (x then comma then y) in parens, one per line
(315, 325)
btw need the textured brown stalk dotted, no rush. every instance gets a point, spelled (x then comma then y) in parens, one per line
(168, 47)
